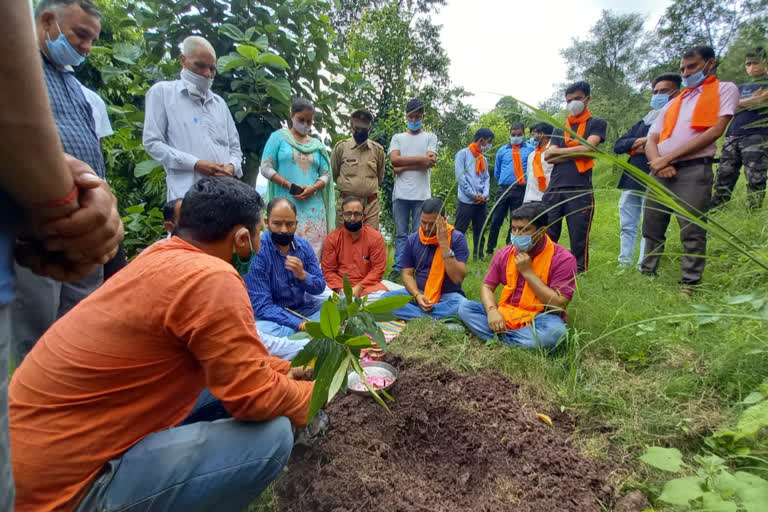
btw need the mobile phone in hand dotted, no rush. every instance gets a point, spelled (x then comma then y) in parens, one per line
(295, 189)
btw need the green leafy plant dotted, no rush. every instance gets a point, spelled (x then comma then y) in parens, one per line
(347, 325)
(713, 486)
(747, 438)
(142, 227)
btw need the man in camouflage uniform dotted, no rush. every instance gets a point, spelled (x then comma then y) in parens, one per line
(358, 168)
(746, 144)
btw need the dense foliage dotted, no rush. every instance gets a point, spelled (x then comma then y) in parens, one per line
(374, 54)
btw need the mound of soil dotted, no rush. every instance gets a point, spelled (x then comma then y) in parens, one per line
(452, 443)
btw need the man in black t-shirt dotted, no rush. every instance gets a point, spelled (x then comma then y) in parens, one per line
(569, 194)
(745, 143)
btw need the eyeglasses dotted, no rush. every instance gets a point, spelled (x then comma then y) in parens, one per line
(352, 215)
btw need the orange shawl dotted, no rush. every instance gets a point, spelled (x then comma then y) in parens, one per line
(529, 306)
(477, 152)
(704, 113)
(583, 164)
(538, 169)
(434, 286)
(518, 164)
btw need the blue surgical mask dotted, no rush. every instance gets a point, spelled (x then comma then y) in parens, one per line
(414, 126)
(243, 267)
(694, 80)
(659, 100)
(522, 243)
(532, 141)
(516, 141)
(62, 53)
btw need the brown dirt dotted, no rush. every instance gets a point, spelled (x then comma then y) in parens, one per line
(452, 443)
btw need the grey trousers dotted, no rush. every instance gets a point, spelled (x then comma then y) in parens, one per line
(6, 475)
(693, 187)
(40, 301)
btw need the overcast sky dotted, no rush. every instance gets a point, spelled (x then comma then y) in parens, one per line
(510, 48)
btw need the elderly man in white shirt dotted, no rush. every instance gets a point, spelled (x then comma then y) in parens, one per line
(188, 128)
(538, 170)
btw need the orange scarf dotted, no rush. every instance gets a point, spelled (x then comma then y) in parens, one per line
(583, 164)
(538, 169)
(518, 164)
(434, 286)
(529, 306)
(477, 152)
(704, 113)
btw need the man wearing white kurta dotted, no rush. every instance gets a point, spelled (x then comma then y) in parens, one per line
(188, 128)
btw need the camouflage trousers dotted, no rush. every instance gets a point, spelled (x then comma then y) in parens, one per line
(751, 151)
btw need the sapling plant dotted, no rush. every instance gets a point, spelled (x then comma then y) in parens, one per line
(347, 325)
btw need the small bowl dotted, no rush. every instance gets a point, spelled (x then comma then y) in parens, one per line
(373, 369)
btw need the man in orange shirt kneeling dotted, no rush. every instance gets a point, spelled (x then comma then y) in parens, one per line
(114, 407)
(359, 251)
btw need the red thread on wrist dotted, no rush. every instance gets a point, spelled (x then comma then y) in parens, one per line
(58, 203)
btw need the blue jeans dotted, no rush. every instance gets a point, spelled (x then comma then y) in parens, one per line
(448, 305)
(630, 214)
(204, 465)
(6, 475)
(545, 332)
(310, 309)
(404, 210)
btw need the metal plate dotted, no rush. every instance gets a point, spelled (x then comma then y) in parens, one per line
(374, 369)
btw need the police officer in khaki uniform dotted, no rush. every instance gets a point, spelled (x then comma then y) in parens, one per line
(358, 168)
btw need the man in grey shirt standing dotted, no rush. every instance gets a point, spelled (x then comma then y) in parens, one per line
(188, 128)
(413, 154)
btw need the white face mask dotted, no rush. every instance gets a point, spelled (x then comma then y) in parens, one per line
(303, 129)
(197, 84)
(576, 107)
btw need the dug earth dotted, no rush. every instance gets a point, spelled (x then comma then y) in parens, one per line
(451, 443)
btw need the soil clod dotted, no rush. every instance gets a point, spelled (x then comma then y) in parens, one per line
(451, 443)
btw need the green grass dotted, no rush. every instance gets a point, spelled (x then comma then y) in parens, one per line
(642, 365)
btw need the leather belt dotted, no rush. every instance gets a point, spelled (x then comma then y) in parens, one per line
(707, 160)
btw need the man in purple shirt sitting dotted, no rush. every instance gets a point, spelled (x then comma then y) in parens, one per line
(538, 277)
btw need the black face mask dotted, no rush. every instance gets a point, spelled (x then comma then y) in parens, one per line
(353, 227)
(281, 238)
(360, 137)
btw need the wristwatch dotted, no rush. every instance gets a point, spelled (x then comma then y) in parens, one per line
(450, 254)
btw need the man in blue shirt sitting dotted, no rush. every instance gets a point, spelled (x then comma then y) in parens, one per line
(509, 170)
(284, 276)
